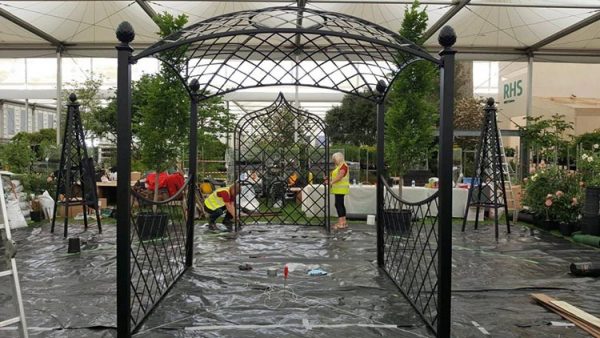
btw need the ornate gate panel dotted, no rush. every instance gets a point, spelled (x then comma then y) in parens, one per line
(281, 160)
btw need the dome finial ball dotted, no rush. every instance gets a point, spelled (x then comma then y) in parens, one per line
(447, 37)
(125, 32)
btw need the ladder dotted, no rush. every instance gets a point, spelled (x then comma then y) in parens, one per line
(10, 249)
(507, 172)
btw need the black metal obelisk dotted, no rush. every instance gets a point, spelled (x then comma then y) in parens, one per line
(488, 187)
(75, 180)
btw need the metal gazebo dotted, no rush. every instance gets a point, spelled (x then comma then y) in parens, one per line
(283, 46)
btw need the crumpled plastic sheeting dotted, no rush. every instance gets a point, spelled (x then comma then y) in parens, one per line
(492, 282)
(217, 293)
(74, 295)
(64, 295)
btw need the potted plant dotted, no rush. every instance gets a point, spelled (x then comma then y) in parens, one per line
(563, 210)
(411, 116)
(589, 167)
(161, 110)
(553, 196)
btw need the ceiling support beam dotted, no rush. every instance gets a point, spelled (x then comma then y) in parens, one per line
(562, 33)
(458, 5)
(30, 28)
(147, 8)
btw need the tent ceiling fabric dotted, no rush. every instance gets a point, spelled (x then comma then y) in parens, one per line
(486, 29)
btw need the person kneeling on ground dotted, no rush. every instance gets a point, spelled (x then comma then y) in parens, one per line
(222, 200)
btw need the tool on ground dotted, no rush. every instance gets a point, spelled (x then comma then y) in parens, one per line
(10, 253)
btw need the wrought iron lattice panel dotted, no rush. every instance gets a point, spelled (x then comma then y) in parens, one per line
(275, 147)
(287, 46)
(157, 241)
(411, 251)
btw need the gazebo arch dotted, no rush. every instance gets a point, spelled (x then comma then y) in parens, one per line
(281, 46)
(270, 145)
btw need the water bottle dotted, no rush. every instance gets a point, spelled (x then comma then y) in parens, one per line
(412, 183)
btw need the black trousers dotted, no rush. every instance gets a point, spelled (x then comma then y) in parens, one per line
(339, 205)
(214, 214)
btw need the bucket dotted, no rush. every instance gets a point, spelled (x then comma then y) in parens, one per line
(370, 219)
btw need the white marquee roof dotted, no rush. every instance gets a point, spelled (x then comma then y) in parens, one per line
(550, 30)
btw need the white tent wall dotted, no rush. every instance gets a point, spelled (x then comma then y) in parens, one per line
(487, 29)
(570, 89)
(492, 30)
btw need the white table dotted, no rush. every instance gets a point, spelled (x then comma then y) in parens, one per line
(362, 199)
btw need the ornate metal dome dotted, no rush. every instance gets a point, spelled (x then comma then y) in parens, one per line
(287, 46)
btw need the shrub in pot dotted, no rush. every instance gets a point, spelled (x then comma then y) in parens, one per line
(554, 196)
(589, 166)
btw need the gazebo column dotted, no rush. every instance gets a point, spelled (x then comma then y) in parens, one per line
(125, 34)
(447, 38)
(381, 89)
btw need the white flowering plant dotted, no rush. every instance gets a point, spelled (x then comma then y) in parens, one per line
(588, 166)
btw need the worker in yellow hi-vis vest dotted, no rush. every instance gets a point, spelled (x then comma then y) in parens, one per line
(221, 200)
(339, 183)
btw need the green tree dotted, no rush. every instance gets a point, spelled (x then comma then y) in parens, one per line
(161, 106)
(412, 114)
(90, 103)
(17, 156)
(547, 136)
(352, 122)
(468, 115)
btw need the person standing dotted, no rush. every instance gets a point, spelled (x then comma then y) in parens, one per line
(340, 187)
(221, 200)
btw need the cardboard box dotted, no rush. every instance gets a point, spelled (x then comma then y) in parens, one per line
(518, 195)
(136, 175)
(73, 210)
(102, 203)
(35, 205)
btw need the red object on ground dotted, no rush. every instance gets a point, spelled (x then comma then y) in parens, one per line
(285, 272)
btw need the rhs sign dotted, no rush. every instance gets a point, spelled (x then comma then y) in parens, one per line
(513, 95)
(512, 90)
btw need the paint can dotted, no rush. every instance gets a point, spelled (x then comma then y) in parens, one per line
(371, 219)
(272, 272)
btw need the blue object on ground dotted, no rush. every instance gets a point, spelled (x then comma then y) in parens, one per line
(317, 272)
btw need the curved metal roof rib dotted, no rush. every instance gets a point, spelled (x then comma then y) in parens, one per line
(287, 46)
